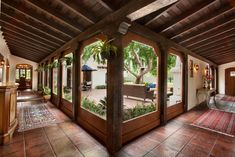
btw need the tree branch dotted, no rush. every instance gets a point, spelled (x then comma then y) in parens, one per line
(128, 69)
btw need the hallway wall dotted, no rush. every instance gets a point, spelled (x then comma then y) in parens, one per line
(222, 75)
(195, 82)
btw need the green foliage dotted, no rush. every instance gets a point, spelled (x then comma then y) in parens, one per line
(68, 60)
(100, 51)
(46, 91)
(171, 61)
(138, 110)
(39, 69)
(99, 109)
(68, 97)
(67, 90)
(100, 87)
(145, 54)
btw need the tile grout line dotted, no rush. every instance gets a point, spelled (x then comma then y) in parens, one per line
(187, 143)
(49, 142)
(213, 145)
(163, 140)
(24, 144)
(70, 140)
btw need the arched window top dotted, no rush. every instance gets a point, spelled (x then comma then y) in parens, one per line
(24, 66)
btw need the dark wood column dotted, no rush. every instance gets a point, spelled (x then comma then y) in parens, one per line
(213, 75)
(163, 81)
(59, 83)
(185, 83)
(217, 79)
(76, 81)
(114, 99)
(50, 76)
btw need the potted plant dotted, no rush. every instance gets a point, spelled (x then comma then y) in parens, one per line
(103, 50)
(46, 93)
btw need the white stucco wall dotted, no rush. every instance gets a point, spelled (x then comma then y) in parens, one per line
(14, 60)
(195, 82)
(221, 69)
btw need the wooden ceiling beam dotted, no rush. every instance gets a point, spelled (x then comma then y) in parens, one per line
(29, 22)
(15, 41)
(212, 27)
(31, 28)
(27, 38)
(21, 7)
(45, 6)
(29, 57)
(79, 10)
(219, 50)
(106, 5)
(216, 41)
(25, 51)
(220, 53)
(227, 33)
(14, 27)
(179, 18)
(216, 45)
(26, 41)
(220, 12)
(187, 14)
(210, 34)
(118, 15)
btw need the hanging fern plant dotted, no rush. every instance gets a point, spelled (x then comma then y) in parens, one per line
(101, 51)
(68, 60)
(39, 69)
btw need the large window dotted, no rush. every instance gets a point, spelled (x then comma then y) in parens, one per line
(67, 66)
(140, 80)
(55, 77)
(93, 82)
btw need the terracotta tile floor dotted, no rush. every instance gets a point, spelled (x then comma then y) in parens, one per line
(67, 139)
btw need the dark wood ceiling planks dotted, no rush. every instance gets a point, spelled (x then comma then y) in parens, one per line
(34, 29)
(206, 27)
(39, 27)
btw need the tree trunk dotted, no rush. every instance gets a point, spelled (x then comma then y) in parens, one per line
(138, 80)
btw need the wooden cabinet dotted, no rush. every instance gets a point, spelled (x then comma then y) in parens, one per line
(8, 111)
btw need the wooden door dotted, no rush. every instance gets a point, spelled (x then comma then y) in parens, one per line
(230, 81)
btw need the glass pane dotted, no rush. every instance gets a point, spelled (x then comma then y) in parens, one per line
(55, 78)
(22, 73)
(93, 82)
(174, 81)
(140, 80)
(232, 73)
(28, 74)
(67, 77)
(17, 74)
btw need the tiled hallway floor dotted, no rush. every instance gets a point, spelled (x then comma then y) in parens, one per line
(67, 139)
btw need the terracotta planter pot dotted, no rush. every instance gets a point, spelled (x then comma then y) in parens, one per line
(47, 97)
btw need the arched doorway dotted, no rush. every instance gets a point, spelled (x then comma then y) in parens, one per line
(24, 76)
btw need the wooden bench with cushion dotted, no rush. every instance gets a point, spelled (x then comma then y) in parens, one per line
(137, 90)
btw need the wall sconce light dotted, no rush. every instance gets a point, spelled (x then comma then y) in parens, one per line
(2, 62)
(196, 67)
